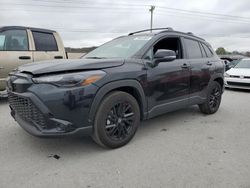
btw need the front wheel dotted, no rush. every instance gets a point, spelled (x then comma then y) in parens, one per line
(213, 100)
(117, 120)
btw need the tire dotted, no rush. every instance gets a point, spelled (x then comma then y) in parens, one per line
(213, 100)
(116, 120)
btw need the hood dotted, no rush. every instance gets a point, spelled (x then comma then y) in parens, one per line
(239, 72)
(63, 65)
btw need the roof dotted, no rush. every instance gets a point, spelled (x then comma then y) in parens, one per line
(24, 27)
(165, 30)
(188, 34)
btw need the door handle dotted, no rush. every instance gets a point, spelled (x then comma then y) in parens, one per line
(185, 66)
(209, 63)
(1, 67)
(24, 57)
(58, 57)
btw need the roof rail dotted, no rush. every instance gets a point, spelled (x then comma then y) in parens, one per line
(167, 28)
(190, 33)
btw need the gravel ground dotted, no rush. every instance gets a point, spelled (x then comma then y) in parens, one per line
(180, 149)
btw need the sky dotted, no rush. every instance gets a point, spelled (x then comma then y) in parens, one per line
(85, 23)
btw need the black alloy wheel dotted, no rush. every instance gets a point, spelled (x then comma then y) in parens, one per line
(212, 103)
(215, 97)
(120, 121)
(117, 120)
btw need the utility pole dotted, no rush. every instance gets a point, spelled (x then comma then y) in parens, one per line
(151, 10)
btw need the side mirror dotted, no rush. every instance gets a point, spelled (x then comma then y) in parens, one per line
(163, 55)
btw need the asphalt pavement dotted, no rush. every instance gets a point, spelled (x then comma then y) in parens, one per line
(180, 149)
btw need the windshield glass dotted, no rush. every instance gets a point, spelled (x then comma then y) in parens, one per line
(235, 62)
(123, 47)
(243, 64)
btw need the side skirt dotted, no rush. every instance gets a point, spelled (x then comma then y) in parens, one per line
(173, 106)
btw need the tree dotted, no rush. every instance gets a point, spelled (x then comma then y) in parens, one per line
(236, 52)
(221, 51)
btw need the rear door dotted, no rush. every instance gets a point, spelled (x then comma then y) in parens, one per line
(200, 69)
(46, 46)
(14, 51)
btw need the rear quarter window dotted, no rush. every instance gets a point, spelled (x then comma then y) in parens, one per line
(208, 51)
(44, 41)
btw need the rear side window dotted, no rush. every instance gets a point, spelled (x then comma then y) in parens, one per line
(193, 49)
(13, 40)
(207, 50)
(44, 41)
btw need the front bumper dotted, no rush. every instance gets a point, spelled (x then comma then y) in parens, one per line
(48, 111)
(33, 130)
(238, 83)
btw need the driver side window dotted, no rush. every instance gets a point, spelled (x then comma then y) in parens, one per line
(169, 44)
(166, 44)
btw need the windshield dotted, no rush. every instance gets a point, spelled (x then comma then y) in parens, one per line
(123, 47)
(243, 64)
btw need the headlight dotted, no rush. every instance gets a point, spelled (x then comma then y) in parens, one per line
(71, 79)
(226, 75)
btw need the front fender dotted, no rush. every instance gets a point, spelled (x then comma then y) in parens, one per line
(104, 90)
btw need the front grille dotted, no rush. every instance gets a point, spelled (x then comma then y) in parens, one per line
(239, 84)
(234, 76)
(26, 110)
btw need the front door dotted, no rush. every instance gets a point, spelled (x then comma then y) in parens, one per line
(168, 82)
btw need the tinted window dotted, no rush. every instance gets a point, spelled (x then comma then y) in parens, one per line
(193, 49)
(13, 40)
(208, 51)
(44, 41)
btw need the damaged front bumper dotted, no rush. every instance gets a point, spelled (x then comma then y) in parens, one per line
(36, 118)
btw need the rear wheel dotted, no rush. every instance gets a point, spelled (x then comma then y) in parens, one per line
(213, 100)
(117, 120)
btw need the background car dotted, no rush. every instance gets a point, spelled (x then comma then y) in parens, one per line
(21, 45)
(239, 75)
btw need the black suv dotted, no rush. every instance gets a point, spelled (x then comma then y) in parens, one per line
(110, 90)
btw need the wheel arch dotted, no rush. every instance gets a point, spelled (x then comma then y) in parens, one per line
(220, 81)
(132, 87)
